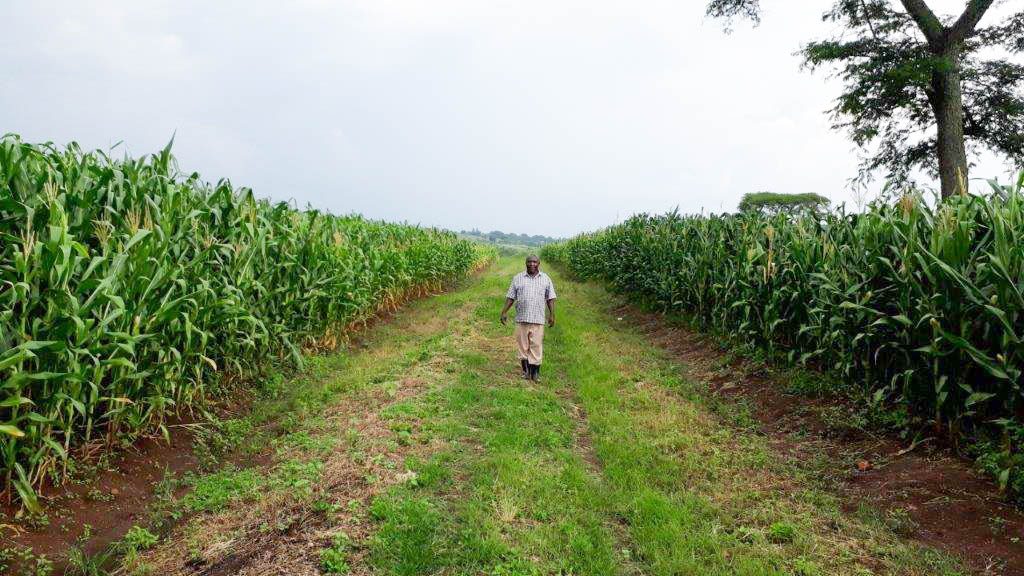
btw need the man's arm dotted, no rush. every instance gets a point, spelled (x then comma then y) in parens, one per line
(510, 298)
(550, 296)
(504, 311)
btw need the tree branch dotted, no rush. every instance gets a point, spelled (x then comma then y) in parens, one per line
(729, 9)
(968, 20)
(927, 21)
(867, 17)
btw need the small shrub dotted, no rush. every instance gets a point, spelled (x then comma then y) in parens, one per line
(900, 522)
(781, 532)
(139, 538)
(334, 560)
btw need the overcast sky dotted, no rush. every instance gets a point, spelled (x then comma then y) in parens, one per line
(536, 116)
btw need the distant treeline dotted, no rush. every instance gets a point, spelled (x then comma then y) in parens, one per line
(499, 237)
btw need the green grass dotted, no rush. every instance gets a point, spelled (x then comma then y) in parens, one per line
(613, 464)
(212, 492)
(527, 475)
(669, 487)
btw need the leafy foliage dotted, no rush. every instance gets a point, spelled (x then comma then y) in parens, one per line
(921, 306)
(888, 63)
(774, 203)
(129, 292)
(508, 238)
(731, 9)
(334, 560)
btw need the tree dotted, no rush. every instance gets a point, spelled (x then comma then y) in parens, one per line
(906, 71)
(773, 203)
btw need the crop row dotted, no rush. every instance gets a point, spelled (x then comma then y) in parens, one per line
(917, 308)
(130, 292)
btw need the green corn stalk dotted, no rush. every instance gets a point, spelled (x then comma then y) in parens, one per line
(130, 293)
(911, 304)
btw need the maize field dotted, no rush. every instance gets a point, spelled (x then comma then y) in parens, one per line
(915, 307)
(130, 292)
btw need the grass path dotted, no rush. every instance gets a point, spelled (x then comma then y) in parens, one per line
(423, 453)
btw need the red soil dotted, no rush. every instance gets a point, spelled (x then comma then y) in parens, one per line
(110, 504)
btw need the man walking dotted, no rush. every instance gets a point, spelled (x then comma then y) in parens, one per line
(531, 291)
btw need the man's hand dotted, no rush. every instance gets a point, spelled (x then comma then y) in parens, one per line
(504, 311)
(551, 322)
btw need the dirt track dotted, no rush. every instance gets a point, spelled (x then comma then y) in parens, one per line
(419, 450)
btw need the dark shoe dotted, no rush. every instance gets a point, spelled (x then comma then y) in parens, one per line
(535, 372)
(526, 368)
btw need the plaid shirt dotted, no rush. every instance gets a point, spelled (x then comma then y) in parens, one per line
(531, 294)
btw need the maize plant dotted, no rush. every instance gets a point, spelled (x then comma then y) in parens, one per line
(130, 292)
(916, 305)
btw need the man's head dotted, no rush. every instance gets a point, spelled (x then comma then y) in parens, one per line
(532, 264)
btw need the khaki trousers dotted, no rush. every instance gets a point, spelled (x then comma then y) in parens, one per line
(530, 342)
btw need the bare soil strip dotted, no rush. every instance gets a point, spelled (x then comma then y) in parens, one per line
(107, 500)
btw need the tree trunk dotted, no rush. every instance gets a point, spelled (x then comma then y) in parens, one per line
(947, 103)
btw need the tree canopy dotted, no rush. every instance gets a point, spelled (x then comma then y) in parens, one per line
(920, 90)
(775, 203)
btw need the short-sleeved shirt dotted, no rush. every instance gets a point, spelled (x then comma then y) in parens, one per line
(531, 294)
